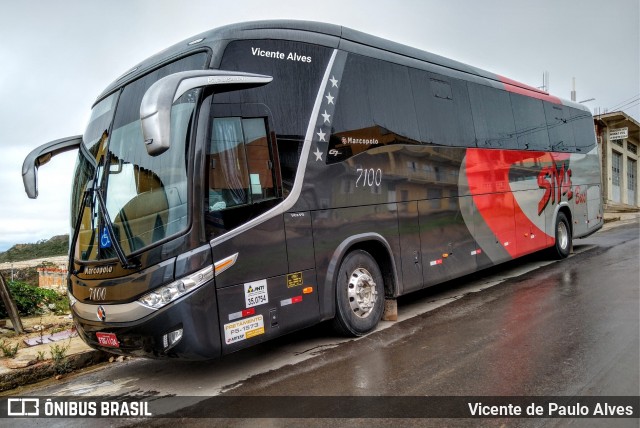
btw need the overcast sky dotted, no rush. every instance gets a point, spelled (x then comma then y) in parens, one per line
(56, 56)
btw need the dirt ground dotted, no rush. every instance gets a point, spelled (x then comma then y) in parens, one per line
(35, 327)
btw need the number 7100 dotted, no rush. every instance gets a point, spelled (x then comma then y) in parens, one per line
(370, 177)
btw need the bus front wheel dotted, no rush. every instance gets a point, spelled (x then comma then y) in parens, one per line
(359, 294)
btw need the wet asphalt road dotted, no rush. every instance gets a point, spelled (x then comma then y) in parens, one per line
(566, 329)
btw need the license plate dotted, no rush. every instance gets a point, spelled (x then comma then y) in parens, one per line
(108, 339)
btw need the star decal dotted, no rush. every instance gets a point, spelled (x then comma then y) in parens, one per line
(329, 98)
(334, 82)
(326, 116)
(321, 135)
(318, 154)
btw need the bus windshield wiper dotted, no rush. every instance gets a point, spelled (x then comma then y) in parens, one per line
(89, 193)
(124, 261)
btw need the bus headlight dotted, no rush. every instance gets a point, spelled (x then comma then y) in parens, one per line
(166, 294)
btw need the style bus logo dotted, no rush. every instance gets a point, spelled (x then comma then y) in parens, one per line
(556, 182)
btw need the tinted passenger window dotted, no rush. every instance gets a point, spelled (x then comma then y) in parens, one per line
(559, 127)
(492, 117)
(241, 176)
(531, 124)
(583, 130)
(443, 110)
(289, 152)
(353, 111)
(240, 167)
(391, 99)
(374, 107)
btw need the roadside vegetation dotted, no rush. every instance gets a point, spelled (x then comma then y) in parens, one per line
(32, 300)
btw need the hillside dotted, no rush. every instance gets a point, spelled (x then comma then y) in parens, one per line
(56, 246)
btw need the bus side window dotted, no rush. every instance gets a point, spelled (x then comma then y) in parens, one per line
(583, 131)
(240, 163)
(443, 110)
(492, 117)
(258, 160)
(531, 124)
(228, 176)
(559, 127)
(289, 152)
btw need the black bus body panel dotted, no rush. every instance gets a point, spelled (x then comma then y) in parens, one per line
(287, 309)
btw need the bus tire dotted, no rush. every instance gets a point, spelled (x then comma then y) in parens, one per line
(562, 246)
(359, 295)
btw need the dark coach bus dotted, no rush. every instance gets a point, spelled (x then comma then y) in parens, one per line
(266, 176)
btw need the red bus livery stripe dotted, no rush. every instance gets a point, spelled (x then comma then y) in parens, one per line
(529, 91)
(296, 299)
(242, 314)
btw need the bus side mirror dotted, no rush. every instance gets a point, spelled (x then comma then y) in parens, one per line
(42, 155)
(155, 108)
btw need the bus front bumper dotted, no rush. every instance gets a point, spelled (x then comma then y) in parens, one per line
(187, 328)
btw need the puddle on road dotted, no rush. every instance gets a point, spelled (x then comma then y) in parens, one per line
(101, 387)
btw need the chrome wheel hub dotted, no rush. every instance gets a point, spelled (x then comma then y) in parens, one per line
(362, 292)
(563, 235)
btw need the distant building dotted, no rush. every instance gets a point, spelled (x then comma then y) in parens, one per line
(618, 139)
(52, 277)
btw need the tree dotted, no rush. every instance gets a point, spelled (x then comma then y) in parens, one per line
(12, 310)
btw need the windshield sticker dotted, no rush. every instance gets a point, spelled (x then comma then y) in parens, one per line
(243, 329)
(255, 293)
(105, 240)
(291, 56)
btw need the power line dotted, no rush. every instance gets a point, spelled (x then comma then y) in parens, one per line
(625, 101)
(615, 106)
(623, 106)
(633, 105)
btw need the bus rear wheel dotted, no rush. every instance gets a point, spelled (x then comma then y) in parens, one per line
(562, 247)
(359, 295)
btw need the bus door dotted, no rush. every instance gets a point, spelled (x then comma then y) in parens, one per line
(255, 302)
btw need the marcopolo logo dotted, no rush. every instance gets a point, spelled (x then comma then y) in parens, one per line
(98, 270)
(365, 141)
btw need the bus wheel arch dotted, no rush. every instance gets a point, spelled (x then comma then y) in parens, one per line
(360, 265)
(382, 255)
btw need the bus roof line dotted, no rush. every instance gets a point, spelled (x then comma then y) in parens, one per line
(330, 35)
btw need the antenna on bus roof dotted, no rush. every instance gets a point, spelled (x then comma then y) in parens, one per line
(545, 82)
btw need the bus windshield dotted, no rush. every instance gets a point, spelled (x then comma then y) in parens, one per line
(145, 197)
